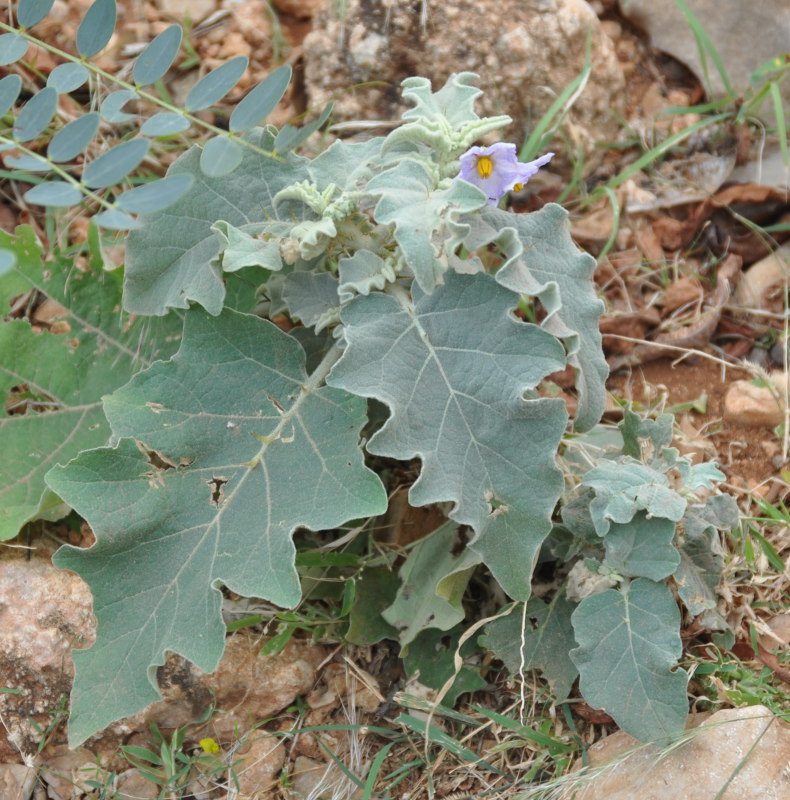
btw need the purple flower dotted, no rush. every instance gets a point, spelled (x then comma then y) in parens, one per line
(496, 169)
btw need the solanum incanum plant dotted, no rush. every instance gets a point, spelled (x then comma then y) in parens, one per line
(405, 278)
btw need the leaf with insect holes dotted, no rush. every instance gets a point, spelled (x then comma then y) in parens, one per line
(540, 639)
(629, 640)
(58, 380)
(171, 259)
(457, 370)
(234, 446)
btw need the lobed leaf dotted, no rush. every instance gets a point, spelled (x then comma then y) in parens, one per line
(542, 261)
(629, 641)
(214, 86)
(253, 109)
(96, 28)
(454, 368)
(36, 114)
(31, 12)
(71, 372)
(642, 548)
(158, 56)
(114, 165)
(71, 140)
(170, 259)
(238, 447)
(424, 216)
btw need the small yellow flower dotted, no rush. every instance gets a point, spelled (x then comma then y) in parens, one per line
(210, 746)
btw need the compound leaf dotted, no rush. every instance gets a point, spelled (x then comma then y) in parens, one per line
(54, 193)
(36, 114)
(68, 77)
(114, 165)
(165, 123)
(10, 86)
(96, 28)
(454, 367)
(220, 156)
(234, 447)
(157, 57)
(628, 642)
(542, 642)
(214, 86)
(170, 259)
(543, 261)
(65, 375)
(112, 106)
(70, 141)
(31, 12)
(12, 48)
(261, 101)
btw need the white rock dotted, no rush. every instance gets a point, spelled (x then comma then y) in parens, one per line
(764, 275)
(736, 754)
(748, 404)
(16, 781)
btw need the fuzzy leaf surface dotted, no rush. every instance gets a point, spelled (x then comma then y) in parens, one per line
(629, 641)
(542, 261)
(542, 643)
(99, 352)
(453, 367)
(642, 548)
(257, 448)
(172, 258)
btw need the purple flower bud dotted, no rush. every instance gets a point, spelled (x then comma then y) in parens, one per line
(496, 169)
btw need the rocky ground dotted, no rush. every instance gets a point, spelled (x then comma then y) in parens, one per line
(696, 295)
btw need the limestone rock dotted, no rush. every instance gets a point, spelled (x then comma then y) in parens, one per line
(61, 772)
(525, 51)
(756, 406)
(260, 765)
(194, 10)
(736, 754)
(132, 785)
(16, 781)
(746, 35)
(44, 613)
(246, 688)
(762, 278)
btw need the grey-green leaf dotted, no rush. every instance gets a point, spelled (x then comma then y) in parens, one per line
(462, 401)
(253, 109)
(10, 87)
(172, 259)
(28, 163)
(154, 196)
(642, 548)
(114, 165)
(115, 220)
(165, 123)
(158, 57)
(68, 77)
(236, 412)
(214, 86)
(538, 637)
(54, 193)
(629, 640)
(289, 137)
(112, 106)
(12, 48)
(31, 12)
(543, 261)
(70, 141)
(220, 156)
(312, 298)
(96, 28)
(36, 114)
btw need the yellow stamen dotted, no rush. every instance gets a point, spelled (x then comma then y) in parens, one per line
(210, 746)
(518, 187)
(485, 166)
